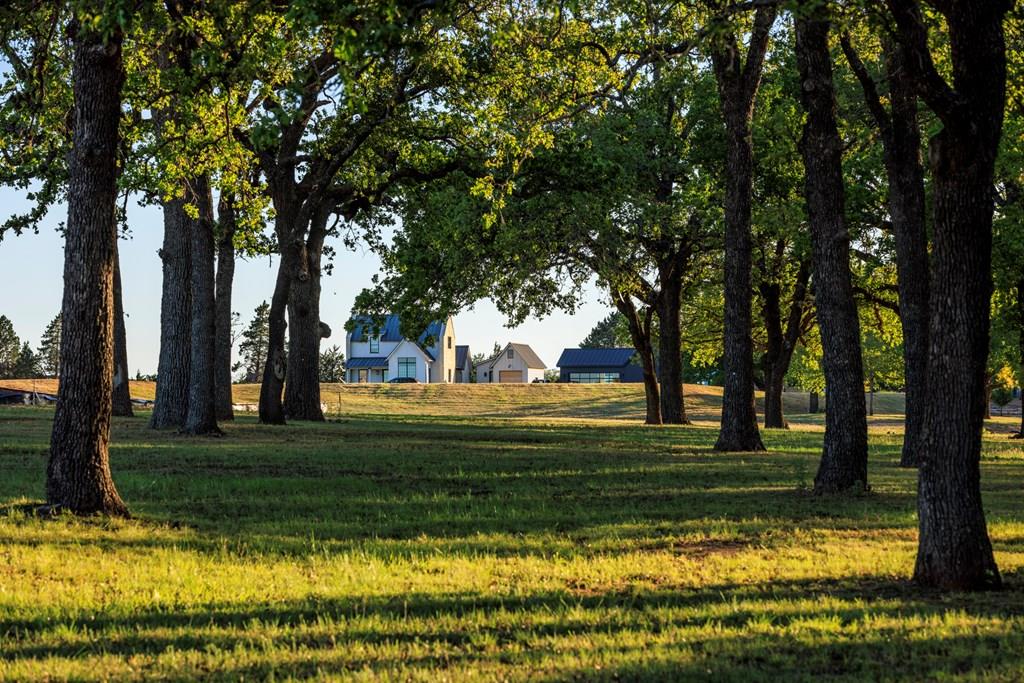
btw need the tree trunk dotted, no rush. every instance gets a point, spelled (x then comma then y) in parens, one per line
(302, 391)
(812, 402)
(640, 333)
(173, 370)
(954, 552)
(844, 457)
(738, 430)
(271, 408)
(78, 473)
(1020, 346)
(737, 86)
(781, 343)
(201, 417)
(225, 280)
(670, 353)
(122, 397)
(907, 209)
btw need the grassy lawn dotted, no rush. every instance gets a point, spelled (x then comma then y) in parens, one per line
(508, 536)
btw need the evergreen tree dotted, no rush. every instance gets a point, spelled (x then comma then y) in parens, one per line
(605, 334)
(332, 364)
(27, 365)
(253, 347)
(49, 349)
(9, 345)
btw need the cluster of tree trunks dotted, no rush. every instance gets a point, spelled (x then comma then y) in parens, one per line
(78, 473)
(954, 551)
(901, 144)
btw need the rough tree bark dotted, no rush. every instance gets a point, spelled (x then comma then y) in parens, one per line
(225, 281)
(1020, 346)
(78, 473)
(845, 454)
(201, 417)
(781, 342)
(640, 332)
(302, 391)
(737, 86)
(901, 145)
(670, 351)
(954, 551)
(122, 396)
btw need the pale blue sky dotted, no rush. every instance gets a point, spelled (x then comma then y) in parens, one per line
(31, 291)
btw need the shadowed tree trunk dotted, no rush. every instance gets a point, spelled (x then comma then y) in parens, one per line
(201, 417)
(954, 551)
(302, 391)
(78, 473)
(122, 397)
(271, 407)
(1020, 345)
(225, 280)
(737, 86)
(172, 377)
(640, 332)
(901, 143)
(845, 454)
(670, 352)
(781, 342)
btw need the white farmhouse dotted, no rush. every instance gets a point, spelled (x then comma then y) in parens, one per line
(386, 355)
(516, 363)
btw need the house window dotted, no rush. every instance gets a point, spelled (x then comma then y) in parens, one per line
(407, 367)
(511, 354)
(374, 344)
(593, 377)
(449, 342)
(449, 375)
(384, 375)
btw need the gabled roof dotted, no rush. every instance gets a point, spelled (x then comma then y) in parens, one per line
(527, 354)
(531, 359)
(391, 330)
(419, 347)
(584, 358)
(461, 355)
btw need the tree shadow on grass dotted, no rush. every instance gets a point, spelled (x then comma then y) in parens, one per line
(724, 631)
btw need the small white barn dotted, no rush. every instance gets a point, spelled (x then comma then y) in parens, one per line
(516, 364)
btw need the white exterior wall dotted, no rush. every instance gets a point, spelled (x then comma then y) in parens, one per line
(408, 349)
(361, 349)
(443, 351)
(504, 363)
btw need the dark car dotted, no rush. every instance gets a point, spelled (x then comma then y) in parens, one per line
(403, 380)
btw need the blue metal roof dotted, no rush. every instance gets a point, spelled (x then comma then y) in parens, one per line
(590, 358)
(391, 331)
(379, 362)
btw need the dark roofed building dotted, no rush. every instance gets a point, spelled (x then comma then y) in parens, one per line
(595, 366)
(463, 364)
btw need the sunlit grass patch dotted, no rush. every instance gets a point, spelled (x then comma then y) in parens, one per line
(491, 547)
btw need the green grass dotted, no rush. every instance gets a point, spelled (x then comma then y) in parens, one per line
(547, 546)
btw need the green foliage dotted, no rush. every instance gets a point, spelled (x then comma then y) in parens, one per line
(27, 365)
(332, 365)
(49, 348)
(253, 347)
(609, 332)
(10, 347)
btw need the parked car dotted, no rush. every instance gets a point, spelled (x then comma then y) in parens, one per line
(403, 380)
(540, 380)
